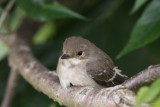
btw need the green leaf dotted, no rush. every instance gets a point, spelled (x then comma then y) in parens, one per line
(44, 33)
(16, 19)
(63, 11)
(146, 30)
(3, 30)
(44, 11)
(141, 94)
(13, 21)
(3, 50)
(137, 5)
(53, 105)
(153, 91)
(156, 103)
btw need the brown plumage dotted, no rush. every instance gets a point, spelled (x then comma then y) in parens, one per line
(88, 62)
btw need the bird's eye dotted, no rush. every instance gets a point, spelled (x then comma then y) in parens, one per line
(80, 53)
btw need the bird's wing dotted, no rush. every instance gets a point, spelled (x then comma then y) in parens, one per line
(104, 73)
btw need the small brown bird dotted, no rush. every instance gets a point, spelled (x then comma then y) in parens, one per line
(83, 64)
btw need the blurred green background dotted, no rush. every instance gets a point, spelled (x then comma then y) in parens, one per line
(127, 30)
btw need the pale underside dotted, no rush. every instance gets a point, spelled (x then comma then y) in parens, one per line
(73, 71)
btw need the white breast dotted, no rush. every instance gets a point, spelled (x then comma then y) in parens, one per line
(74, 71)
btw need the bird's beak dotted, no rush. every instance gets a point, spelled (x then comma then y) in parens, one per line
(65, 56)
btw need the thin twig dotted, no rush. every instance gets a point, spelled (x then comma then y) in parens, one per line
(5, 12)
(10, 89)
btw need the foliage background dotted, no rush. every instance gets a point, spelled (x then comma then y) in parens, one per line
(110, 24)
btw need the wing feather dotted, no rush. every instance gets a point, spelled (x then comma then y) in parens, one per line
(104, 74)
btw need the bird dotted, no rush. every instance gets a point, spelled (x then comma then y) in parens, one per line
(82, 63)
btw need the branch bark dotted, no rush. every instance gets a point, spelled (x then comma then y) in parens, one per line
(144, 77)
(22, 60)
(47, 82)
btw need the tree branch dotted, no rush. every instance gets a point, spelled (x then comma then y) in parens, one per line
(47, 82)
(10, 90)
(43, 80)
(5, 12)
(144, 77)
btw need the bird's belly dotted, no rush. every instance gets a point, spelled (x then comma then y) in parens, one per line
(74, 73)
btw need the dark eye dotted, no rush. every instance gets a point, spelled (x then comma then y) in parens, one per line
(80, 53)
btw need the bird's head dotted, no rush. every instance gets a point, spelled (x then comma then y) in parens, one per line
(76, 47)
